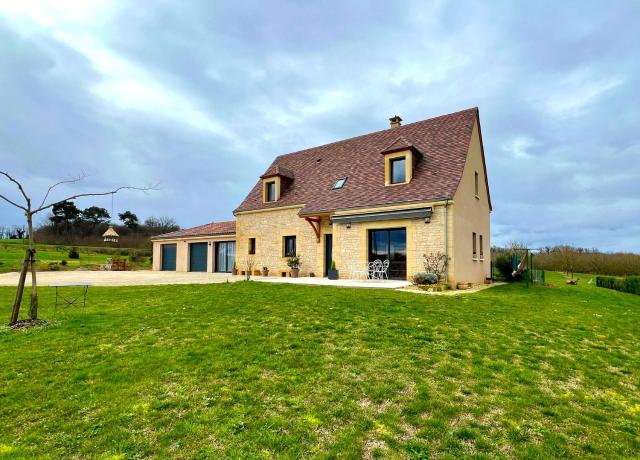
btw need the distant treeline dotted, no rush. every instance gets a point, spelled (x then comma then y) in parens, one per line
(68, 224)
(571, 259)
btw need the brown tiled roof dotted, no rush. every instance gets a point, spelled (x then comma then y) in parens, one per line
(212, 229)
(277, 170)
(397, 145)
(442, 142)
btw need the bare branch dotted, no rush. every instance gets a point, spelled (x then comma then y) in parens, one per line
(82, 176)
(5, 174)
(81, 195)
(13, 203)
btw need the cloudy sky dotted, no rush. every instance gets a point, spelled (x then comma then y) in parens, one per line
(199, 96)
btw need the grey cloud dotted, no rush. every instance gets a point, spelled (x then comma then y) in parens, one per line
(556, 86)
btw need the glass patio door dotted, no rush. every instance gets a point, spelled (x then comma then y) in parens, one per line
(225, 256)
(391, 244)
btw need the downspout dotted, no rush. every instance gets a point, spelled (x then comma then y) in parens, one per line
(446, 241)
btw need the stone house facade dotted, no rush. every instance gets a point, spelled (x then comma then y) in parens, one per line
(395, 195)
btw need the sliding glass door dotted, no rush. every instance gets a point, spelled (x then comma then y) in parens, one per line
(225, 256)
(390, 244)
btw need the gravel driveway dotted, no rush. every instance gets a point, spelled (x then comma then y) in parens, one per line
(131, 278)
(148, 277)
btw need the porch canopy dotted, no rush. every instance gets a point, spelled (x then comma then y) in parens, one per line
(416, 213)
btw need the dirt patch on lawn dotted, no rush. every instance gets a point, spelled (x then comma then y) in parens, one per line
(24, 324)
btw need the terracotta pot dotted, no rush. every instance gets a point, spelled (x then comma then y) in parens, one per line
(294, 272)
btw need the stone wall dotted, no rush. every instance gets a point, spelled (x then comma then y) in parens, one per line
(351, 244)
(269, 229)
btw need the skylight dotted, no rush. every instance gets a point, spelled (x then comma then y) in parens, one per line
(339, 183)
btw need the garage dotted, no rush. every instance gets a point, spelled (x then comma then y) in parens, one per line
(168, 259)
(198, 257)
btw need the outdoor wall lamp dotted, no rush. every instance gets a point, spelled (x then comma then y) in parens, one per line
(427, 219)
(348, 224)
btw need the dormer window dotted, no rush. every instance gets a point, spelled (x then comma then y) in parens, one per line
(398, 170)
(275, 182)
(270, 191)
(400, 159)
(339, 183)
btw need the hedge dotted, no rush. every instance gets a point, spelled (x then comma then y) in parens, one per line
(630, 284)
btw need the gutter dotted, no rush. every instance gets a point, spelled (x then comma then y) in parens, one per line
(446, 240)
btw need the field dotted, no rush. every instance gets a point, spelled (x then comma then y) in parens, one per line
(257, 370)
(12, 255)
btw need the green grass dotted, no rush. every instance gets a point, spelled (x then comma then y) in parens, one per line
(257, 370)
(12, 255)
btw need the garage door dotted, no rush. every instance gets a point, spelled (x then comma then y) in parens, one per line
(169, 257)
(198, 257)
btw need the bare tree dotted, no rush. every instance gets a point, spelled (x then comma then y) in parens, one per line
(29, 211)
(435, 262)
(248, 264)
(568, 256)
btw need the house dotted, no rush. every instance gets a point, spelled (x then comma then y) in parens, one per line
(395, 194)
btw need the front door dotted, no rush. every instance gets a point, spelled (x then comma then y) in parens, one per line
(390, 244)
(198, 257)
(225, 256)
(328, 252)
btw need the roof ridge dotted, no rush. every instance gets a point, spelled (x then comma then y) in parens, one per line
(402, 127)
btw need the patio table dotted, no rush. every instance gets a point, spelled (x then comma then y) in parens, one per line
(71, 301)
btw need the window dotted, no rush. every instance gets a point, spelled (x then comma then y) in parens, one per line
(475, 252)
(477, 193)
(252, 245)
(339, 183)
(289, 246)
(481, 249)
(270, 194)
(398, 170)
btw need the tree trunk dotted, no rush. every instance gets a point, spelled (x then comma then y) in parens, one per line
(33, 311)
(23, 275)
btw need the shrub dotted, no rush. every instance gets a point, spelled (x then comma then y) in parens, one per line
(73, 253)
(135, 256)
(425, 278)
(63, 263)
(435, 262)
(605, 281)
(53, 266)
(630, 284)
(294, 262)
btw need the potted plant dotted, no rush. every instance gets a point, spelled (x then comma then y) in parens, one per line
(332, 273)
(265, 271)
(294, 263)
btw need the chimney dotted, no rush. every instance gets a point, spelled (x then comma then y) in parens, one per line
(395, 121)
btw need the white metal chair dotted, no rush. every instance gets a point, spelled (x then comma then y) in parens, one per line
(385, 269)
(376, 270)
(107, 266)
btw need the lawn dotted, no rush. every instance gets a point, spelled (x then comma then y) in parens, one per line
(258, 370)
(12, 255)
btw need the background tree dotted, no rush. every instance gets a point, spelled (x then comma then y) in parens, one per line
(157, 225)
(95, 215)
(129, 219)
(63, 215)
(29, 212)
